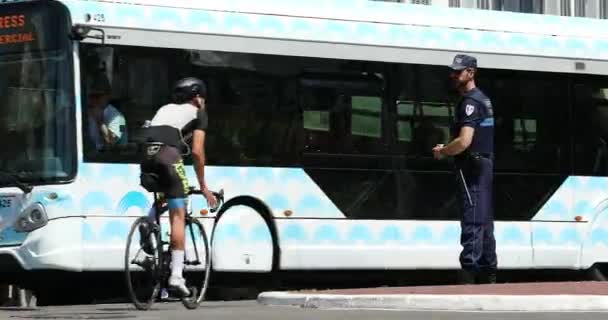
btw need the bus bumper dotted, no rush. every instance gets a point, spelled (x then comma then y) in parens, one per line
(56, 246)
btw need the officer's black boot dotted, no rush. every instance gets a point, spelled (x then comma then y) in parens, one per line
(487, 277)
(467, 277)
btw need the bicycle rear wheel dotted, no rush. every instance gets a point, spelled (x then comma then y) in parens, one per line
(143, 270)
(197, 267)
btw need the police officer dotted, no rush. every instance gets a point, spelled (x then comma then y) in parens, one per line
(472, 147)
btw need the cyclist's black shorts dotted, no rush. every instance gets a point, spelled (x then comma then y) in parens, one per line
(166, 161)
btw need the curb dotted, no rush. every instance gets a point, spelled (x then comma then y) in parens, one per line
(438, 302)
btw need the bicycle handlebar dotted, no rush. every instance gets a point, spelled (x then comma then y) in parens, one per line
(219, 196)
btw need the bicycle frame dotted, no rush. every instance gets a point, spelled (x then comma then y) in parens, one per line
(160, 209)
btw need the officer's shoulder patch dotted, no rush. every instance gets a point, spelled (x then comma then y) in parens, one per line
(469, 109)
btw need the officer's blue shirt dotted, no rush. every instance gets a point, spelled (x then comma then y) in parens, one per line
(475, 110)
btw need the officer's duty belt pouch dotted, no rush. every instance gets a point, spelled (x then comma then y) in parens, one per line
(475, 163)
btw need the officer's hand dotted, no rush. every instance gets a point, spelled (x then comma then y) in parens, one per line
(437, 152)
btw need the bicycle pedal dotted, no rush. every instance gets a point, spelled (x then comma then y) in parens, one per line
(193, 293)
(176, 294)
(171, 298)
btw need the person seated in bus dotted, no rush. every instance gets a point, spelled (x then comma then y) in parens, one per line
(106, 126)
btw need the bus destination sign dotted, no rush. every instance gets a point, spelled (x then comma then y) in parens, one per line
(13, 29)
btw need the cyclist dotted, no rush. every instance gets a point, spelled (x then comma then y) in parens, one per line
(167, 136)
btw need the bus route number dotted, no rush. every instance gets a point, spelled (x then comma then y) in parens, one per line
(99, 17)
(96, 17)
(5, 203)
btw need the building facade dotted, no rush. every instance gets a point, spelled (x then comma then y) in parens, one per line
(577, 8)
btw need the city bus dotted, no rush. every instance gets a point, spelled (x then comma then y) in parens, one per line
(323, 114)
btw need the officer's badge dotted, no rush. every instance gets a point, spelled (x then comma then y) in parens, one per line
(469, 109)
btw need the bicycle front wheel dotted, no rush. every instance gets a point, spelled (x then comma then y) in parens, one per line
(143, 269)
(197, 265)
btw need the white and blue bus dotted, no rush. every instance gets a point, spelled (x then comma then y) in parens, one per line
(322, 117)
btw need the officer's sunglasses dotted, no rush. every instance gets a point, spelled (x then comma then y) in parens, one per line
(458, 72)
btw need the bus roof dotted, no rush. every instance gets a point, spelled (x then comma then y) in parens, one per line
(398, 13)
(405, 32)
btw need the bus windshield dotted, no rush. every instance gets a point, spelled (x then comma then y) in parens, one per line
(36, 94)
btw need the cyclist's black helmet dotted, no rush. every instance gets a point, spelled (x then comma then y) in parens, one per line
(186, 89)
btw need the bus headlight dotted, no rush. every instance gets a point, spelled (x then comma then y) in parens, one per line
(32, 218)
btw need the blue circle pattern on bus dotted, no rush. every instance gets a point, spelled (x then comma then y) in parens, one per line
(337, 230)
(133, 198)
(392, 31)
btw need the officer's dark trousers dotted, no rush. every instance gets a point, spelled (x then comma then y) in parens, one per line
(477, 222)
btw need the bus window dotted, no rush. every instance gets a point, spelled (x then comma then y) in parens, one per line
(365, 120)
(531, 119)
(342, 115)
(531, 139)
(524, 134)
(344, 151)
(104, 99)
(36, 94)
(316, 120)
(405, 113)
(251, 106)
(591, 127)
(424, 115)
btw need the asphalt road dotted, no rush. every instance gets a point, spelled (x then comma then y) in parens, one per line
(251, 310)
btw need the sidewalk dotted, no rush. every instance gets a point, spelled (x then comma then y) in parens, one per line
(537, 296)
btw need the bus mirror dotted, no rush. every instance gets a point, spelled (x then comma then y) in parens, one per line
(80, 32)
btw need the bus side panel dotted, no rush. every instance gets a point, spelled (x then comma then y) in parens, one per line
(570, 230)
(104, 241)
(381, 244)
(595, 245)
(113, 189)
(578, 196)
(110, 198)
(592, 202)
(557, 244)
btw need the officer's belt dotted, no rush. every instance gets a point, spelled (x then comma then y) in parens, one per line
(483, 155)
